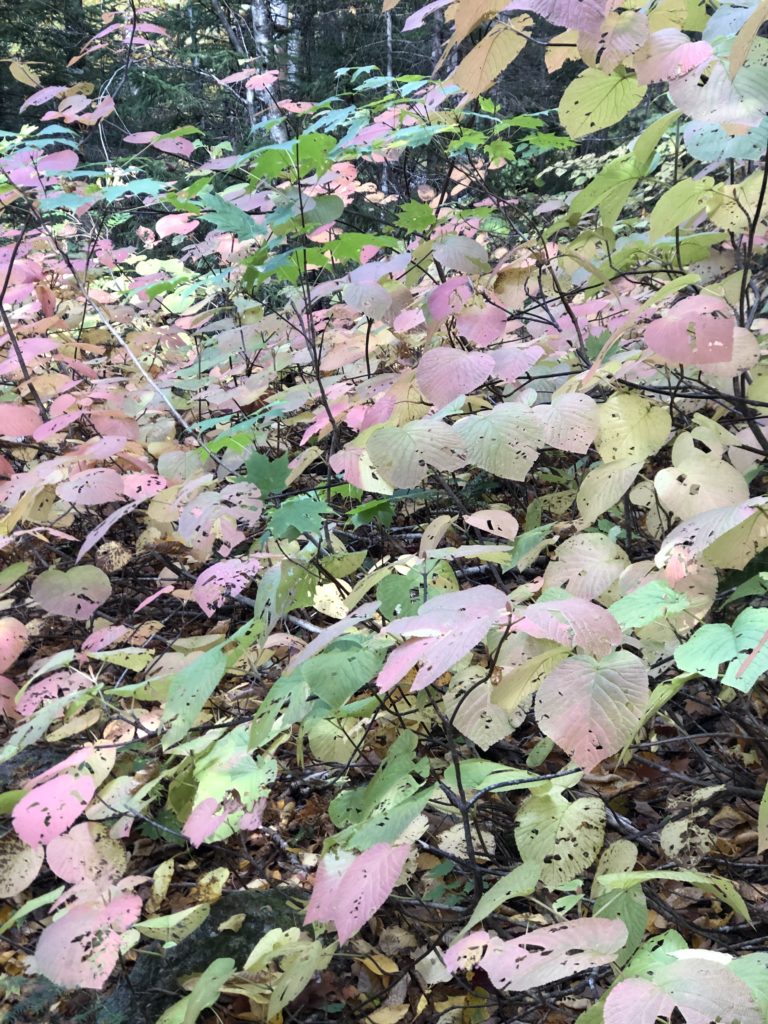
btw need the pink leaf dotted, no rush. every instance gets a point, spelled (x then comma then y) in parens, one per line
(349, 893)
(214, 585)
(175, 224)
(416, 20)
(204, 821)
(8, 693)
(140, 138)
(697, 331)
(551, 953)
(495, 521)
(592, 708)
(445, 373)
(448, 298)
(80, 949)
(76, 593)
(100, 531)
(700, 988)
(13, 640)
(262, 81)
(54, 163)
(49, 809)
(512, 360)
(177, 146)
(584, 15)
(18, 420)
(140, 486)
(451, 624)
(55, 685)
(92, 487)
(87, 853)
(571, 622)
(482, 325)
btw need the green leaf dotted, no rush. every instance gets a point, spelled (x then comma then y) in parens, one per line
(228, 217)
(12, 573)
(563, 837)
(415, 217)
(299, 515)
(519, 882)
(649, 603)
(682, 202)
(189, 689)
(721, 888)
(175, 927)
(269, 475)
(595, 100)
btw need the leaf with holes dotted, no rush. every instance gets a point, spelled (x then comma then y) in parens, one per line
(20, 864)
(445, 629)
(504, 441)
(563, 837)
(592, 708)
(349, 890)
(548, 954)
(404, 455)
(87, 852)
(76, 593)
(50, 808)
(80, 949)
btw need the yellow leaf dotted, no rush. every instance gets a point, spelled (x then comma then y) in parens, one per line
(483, 64)
(380, 964)
(595, 100)
(389, 1014)
(561, 49)
(631, 428)
(23, 73)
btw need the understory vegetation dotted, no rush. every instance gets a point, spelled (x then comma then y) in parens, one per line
(383, 518)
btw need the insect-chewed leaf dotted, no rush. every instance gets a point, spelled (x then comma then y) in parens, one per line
(586, 565)
(603, 486)
(445, 373)
(699, 483)
(494, 521)
(728, 537)
(592, 708)
(503, 441)
(50, 808)
(225, 579)
(97, 486)
(80, 949)
(549, 954)
(564, 838)
(349, 890)
(76, 593)
(403, 455)
(570, 422)
(19, 865)
(631, 428)
(87, 852)
(701, 989)
(445, 629)
(697, 331)
(596, 100)
(571, 622)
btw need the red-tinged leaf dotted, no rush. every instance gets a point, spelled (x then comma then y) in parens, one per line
(55, 685)
(55, 163)
(262, 81)
(92, 487)
(13, 640)
(592, 708)
(76, 593)
(416, 20)
(50, 808)
(140, 486)
(141, 138)
(482, 325)
(701, 989)
(87, 853)
(225, 579)
(349, 892)
(584, 15)
(19, 865)
(495, 521)
(175, 224)
(204, 821)
(101, 639)
(18, 420)
(449, 298)
(571, 622)
(548, 954)
(449, 625)
(44, 95)
(445, 373)
(467, 952)
(80, 949)
(670, 54)
(8, 693)
(697, 331)
(512, 360)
